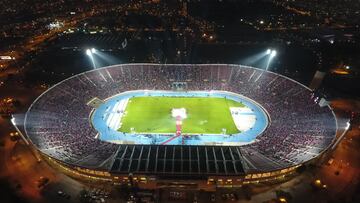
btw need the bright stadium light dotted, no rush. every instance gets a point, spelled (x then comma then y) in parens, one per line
(347, 125)
(254, 59)
(88, 52)
(105, 57)
(273, 53)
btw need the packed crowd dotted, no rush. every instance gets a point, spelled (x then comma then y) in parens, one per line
(58, 122)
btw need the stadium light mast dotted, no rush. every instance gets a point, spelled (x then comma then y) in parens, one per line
(19, 131)
(35, 153)
(272, 53)
(90, 53)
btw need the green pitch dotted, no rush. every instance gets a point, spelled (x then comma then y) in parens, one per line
(204, 115)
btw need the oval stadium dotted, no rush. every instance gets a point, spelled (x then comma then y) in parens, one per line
(218, 124)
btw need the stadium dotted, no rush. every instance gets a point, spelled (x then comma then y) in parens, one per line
(216, 124)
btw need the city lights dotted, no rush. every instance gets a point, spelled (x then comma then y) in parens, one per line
(180, 101)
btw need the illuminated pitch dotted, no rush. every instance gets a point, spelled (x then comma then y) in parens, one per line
(174, 117)
(200, 115)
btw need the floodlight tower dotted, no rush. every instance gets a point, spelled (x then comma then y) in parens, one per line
(90, 53)
(272, 53)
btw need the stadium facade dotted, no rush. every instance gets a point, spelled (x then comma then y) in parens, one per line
(59, 126)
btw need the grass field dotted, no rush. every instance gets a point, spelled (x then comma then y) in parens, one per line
(204, 115)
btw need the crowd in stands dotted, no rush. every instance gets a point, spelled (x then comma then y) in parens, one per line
(58, 122)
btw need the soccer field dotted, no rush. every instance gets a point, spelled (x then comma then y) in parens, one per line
(205, 115)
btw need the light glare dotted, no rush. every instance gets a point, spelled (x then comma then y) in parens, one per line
(88, 52)
(273, 53)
